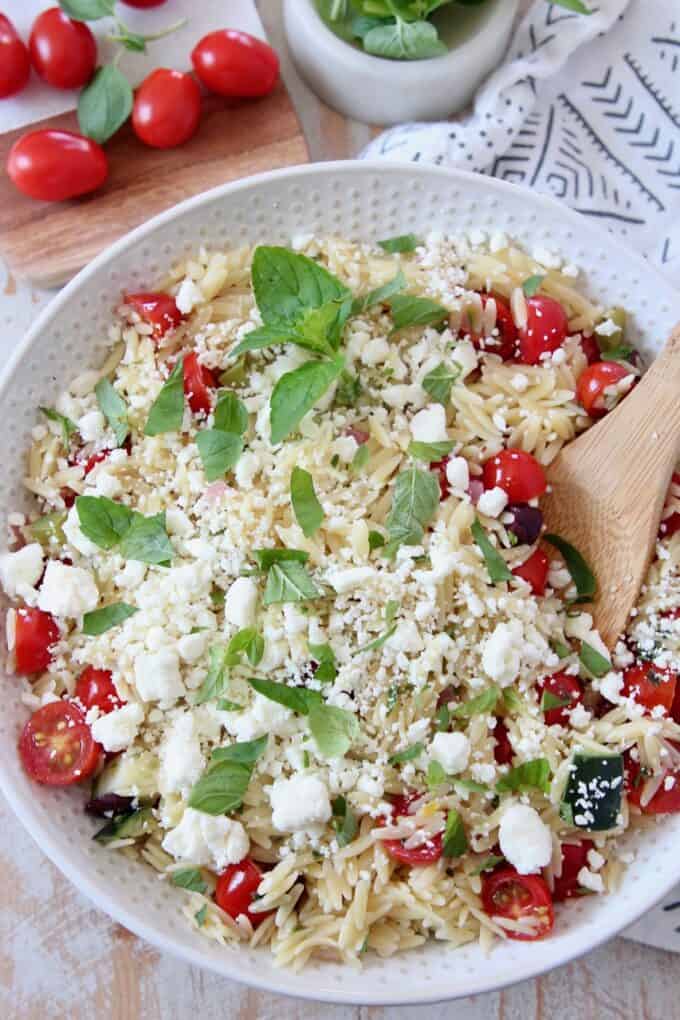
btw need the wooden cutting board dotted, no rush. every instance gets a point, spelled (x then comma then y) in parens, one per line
(49, 242)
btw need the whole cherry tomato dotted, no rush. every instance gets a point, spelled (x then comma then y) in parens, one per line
(95, 688)
(518, 897)
(56, 746)
(156, 308)
(534, 571)
(235, 64)
(34, 634)
(198, 382)
(63, 51)
(237, 889)
(561, 693)
(593, 383)
(546, 329)
(15, 62)
(517, 473)
(167, 109)
(56, 165)
(505, 344)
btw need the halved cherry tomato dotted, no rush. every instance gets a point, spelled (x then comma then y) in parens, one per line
(15, 62)
(633, 778)
(566, 688)
(237, 888)
(505, 344)
(34, 634)
(518, 897)
(517, 473)
(546, 329)
(592, 383)
(63, 51)
(534, 571)
(650, 685)
(591, 349)
(56, 746)
(156, 308)
(417, 856)
(95, 688)
(503, 751)
(198, 383)
(55, 165)
(235, 64)
(574, 857)
(665, 802)
(167, 109)
(439, 467)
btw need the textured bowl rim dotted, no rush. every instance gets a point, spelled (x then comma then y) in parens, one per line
(30, 817)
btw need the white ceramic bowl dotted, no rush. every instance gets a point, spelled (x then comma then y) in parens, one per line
(360, 200)
(379, 91)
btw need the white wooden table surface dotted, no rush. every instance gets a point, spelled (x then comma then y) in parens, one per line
(61, 958)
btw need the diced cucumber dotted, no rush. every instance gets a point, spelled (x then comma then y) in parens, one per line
(592, 799)
(129, 775)
(126, 826)
(49, 526)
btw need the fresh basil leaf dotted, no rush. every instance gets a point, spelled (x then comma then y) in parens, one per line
(306, 507)
(114, 409)
(248, 641)
(67, 426)
(104, 104)
(442, 719)
(581, 574)
(484, 702)
(621, 353)
(334, 729)
(512, 701)
(326, 670)
(344, 821)
(415, 499)
(488, 864)
(103, 521)
(245, 753)
(380, 294)
(593, 661)
(530, 775)
(221, 789)
(227, 705)
(87, 10)
(455, 842)
(495, 564)
(265, 558)
(360, 458)
(235, 375)
(390, 613)
(216, 677)
(375, 540)
(436, 776)
(147, 540)
(230, 414)
(532, 285)
(297, 392)
(289, 581)
(408, 754)
(190, 879)
(404, 40)
(167, 410)
(550, 701)
(430, 452)
(400, 243)
(364, 23)
(200, 915)
(219, 452)
(317, 330)
(297, 699)
(287, 284)
(408, 310)
(470, 786)
(348, 390)
(100, 620)
(439, 382)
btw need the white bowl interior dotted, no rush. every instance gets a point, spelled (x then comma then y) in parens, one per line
(362, 201)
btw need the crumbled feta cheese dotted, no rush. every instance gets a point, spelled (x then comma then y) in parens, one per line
(406, 638)
(595, 860)
(520, 382)
(492, 502)
(247, 467)
(579, 717)
(465, 355)
(67, 591)
(91, 426)
(263, 716)
(74, 535)
(589, 880)
(502, 652)
(345, 580)
(20, 571)
(345, 447)
(451, 750)
(240, 603)
(180, 755)
(157, 676)
(192, 646)
(458, 475)
(375, 351)
(483, 772)
(208, 841)
(607, 328)
(429, 425)
(299, 802)
(525, 839)
(188, 296)
(117, 729)
(177, 522)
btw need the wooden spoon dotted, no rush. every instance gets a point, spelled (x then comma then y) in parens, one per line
(607, 488)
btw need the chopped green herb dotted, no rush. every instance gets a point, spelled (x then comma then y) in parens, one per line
(455, 841)
(360, 458)
(297, 392)
(621, 353)
(305, 759)
(216, 678)
(436, 776)
(200, 915)
(484, 702)
(226, 705)
(430, 452)
(390, 613)
(114, 409)
(375, 540)
(408, 754)
(400, 243)
(512, 701)
(219, 452)
(67, 426)
(245, 753)
(593, 661)
(380, 294)
(100, 620)
(495, 564)
(190, 879)
(297, 699)
(488, 864)
(532, 285)
(167, 410)
(392, 698)
(308, 511)
(529, 775)
(348, 390)
(230, 414)
(265, 558)
(439, 382)
(442, 719)
(324, 655)
(217, 596)
(344, 821)
(581, 574)
(408, 310)
(109, 524)
(221, 788)
(288, 581)
(470, 786)
(249, 641)
(48, 527)
(334, 729)
(415, 498)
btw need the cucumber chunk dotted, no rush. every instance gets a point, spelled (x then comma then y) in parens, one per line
(592, 799)
(131, 826)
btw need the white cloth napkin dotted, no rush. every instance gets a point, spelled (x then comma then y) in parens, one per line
(38, 101)
(586, 109)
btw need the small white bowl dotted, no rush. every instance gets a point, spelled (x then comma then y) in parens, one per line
(380, 91)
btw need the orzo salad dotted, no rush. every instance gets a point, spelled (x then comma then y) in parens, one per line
(287, 610)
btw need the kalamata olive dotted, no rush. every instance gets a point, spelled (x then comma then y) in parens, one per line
(109, 804)
(524, 521)
(448, 694)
